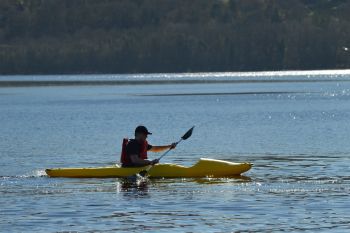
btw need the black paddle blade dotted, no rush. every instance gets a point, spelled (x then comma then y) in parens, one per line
(143, 173)
(187, 134)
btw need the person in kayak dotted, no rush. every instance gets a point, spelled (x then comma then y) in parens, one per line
(134, 151)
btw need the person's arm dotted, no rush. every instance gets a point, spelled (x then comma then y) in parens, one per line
(162, 148)
(142, 162)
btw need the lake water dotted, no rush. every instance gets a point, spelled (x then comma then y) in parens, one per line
(294, 127)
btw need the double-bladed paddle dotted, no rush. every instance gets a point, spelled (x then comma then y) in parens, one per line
(184, 137)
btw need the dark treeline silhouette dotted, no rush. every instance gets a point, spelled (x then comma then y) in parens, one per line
(128, 36)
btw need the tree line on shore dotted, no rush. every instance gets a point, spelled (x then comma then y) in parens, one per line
(143, 36)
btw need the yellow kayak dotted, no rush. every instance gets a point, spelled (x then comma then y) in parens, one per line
(203, 168)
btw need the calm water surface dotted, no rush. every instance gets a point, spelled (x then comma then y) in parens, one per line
(295, 133)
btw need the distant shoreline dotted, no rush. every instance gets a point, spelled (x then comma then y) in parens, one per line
(147, 82)
(94, 37)
(292, 72)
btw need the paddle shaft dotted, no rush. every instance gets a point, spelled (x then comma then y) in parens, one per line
(166, 152)
(184, 137)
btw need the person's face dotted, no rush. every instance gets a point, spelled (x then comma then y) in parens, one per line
(142, 136)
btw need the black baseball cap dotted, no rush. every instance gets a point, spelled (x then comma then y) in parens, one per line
(142, 129)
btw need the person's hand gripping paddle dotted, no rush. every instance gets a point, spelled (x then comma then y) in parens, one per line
(188, 134)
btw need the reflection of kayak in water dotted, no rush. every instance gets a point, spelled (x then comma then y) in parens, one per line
(203, 168)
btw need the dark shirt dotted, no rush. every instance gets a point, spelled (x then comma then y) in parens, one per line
(133, 148)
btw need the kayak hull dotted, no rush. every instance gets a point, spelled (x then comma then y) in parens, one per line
(203, 168)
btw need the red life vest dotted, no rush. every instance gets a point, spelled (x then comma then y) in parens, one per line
(124, 158)
(143, 152)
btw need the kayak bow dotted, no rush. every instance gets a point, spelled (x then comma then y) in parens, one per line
(203, 168)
